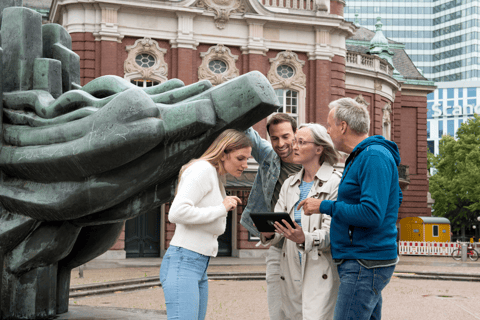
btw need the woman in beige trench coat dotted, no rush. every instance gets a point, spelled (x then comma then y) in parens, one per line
(310, 280)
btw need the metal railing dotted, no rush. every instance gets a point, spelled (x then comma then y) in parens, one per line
(418, 248)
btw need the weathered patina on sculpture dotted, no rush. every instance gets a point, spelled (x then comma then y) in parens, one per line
(78, 161)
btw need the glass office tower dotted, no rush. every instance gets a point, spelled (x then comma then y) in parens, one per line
(442, 39)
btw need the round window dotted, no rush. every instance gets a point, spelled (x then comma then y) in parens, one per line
(145, 60)
(217, 66)
(285, 71)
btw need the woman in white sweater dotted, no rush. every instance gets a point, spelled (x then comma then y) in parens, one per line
(199, 211)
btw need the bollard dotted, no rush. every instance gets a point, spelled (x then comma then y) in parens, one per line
(80, 271)
(464, 252)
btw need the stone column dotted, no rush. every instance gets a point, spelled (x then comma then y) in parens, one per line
(320, 86)
(256, 59)
(108, 37)
(337, 7)
(184, 48)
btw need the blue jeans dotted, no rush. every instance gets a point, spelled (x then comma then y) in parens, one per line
(360, 292)
(183, 275)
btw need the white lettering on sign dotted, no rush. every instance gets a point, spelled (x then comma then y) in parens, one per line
(456, 110)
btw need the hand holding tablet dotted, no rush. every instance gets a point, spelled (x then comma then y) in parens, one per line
(279, 222)
(265, 221)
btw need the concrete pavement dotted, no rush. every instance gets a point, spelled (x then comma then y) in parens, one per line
(427, 261)
(101, 271)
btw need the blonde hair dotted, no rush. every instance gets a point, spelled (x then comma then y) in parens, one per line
(322, 138)
(228, 141)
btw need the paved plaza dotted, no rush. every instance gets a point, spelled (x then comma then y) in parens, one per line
(404, 299)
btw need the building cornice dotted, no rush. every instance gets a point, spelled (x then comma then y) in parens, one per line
(367, 44)
(417, 90)
(298, 17)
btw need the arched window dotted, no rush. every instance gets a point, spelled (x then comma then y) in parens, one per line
(289, 81)
(218, 65)
(145, 65)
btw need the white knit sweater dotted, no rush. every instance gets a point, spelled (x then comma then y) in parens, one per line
(198, 211)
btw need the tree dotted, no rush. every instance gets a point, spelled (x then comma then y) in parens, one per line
(456, 184)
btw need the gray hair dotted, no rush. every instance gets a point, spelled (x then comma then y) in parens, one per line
(322, 138)
(353, 113)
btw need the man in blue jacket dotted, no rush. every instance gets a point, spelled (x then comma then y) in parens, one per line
(363, 231)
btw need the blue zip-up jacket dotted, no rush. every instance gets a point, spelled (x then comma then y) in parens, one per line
(269, 166)
(366, 210)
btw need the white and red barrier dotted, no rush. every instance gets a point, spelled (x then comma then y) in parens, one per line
(427, 248)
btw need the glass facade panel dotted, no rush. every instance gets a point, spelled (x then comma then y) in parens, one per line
(440, 128)
(451, 128)
(450, 93)
(429, 110)
(471, 92)
(431, 146)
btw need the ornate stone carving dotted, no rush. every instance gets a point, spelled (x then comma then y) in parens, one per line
(222, 9)
(377, 85)
(290, 59)
(386, 122)
(222, 53)
(158, 71)
(321, 5)
(360, 99)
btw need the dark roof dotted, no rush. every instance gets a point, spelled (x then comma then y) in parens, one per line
(364, 34)
(401, 60)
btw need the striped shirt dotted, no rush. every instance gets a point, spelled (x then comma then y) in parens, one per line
(304, 190)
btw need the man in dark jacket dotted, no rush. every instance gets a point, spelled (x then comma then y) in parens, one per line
(362, 232)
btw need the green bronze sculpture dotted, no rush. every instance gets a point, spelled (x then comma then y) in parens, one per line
(76, 162)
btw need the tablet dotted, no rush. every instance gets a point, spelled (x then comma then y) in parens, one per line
(264, 221)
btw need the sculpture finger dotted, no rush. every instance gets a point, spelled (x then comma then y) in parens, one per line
(187, 120)
(69, 200)
(47, 107)
(242, 100)
(13, 229)
(106, 147)
(110, 85)
(49, 243)
(132, 207)
(31, 119)
(128, 106)
(180, 94)
(164, 87)
(91, 242)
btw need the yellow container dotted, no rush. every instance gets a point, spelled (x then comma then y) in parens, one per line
(430, 229)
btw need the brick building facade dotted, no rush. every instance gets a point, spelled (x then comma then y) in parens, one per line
(309, 53)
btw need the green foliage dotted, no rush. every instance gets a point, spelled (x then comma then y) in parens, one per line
(455, 185)
(430, 160)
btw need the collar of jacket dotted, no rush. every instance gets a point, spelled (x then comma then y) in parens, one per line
(323, 174)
